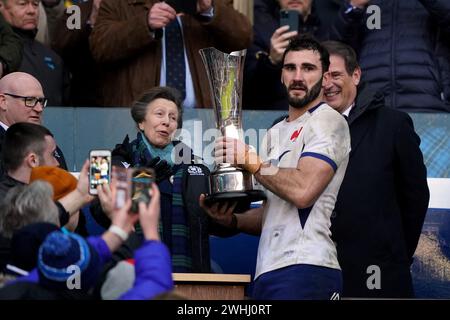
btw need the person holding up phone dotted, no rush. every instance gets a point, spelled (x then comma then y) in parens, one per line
(262, 86)
(62, 250)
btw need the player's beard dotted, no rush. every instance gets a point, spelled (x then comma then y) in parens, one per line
(310, 95)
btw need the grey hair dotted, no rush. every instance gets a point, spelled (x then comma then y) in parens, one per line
(24, 205)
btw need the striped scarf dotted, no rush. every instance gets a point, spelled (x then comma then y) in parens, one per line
(173, 225)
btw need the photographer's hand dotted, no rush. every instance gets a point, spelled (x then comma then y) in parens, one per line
(160, 15)
(149, 214)
(122, 217)
(279, 42)
(236, 152)
(220, 213)
(79, 197)
(122, 222)
(106, 199)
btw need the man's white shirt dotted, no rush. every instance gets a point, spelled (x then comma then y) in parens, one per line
(291, 236)
(4, 126)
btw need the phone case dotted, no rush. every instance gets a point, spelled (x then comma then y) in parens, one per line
(141, 182)
(122, 178)
(99, 169)
(289, 18)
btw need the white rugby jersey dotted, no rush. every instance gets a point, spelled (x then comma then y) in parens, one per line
(302, 236)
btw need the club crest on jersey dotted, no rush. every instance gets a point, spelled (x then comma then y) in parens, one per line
(195, 171)
(295, 134)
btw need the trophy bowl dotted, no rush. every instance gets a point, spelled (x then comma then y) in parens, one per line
(227, 182)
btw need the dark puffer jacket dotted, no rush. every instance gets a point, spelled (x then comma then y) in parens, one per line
(409, 57)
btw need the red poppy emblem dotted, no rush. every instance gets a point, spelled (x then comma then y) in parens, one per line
(296, 134)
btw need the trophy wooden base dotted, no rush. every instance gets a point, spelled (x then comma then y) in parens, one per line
(211, 286)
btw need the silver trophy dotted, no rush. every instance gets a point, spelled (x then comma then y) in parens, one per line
(225, 73)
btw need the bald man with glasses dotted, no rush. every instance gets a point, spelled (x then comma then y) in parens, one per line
(29, 101)
(22, 100)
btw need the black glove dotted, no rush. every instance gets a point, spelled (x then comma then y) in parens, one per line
(162, 169)
(122, 152)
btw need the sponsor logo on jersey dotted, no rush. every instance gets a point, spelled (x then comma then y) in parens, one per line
(295, 134)
(196, 171)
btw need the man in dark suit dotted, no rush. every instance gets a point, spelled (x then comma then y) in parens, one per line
(383, 199)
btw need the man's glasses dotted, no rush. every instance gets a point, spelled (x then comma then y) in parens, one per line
(30, 102)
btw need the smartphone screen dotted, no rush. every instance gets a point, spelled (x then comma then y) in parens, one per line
(141, 182)
(123, 183)
(99, 169)
(289, 18)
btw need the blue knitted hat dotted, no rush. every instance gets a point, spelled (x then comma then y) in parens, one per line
(58, 252)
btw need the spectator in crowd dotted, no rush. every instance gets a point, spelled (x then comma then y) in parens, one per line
(29, 145)
(25, 244)
(407, 55)
(67, 206)
(11, 48)
(26, 145)
(21, 206)
(28, 204)
(63, 183)
(144, 44)
(383, 199)
(305, 157)
(37, 60)
(73, 46)
(22, 100)
(18, 255)
(185, 226)
(61, 251)
(262, 86)
(153, 272)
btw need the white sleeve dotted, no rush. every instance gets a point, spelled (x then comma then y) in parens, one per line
(327, 137)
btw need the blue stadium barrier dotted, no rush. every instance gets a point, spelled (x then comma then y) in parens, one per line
(78, 130)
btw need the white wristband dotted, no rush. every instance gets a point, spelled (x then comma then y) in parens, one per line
(118, 231)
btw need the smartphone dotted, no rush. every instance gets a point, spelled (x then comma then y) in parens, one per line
(99, 169)
(185, 6)
(289, 18)
(141, 182)
(122, 178)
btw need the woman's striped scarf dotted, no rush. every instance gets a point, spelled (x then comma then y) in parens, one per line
(173, 226)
